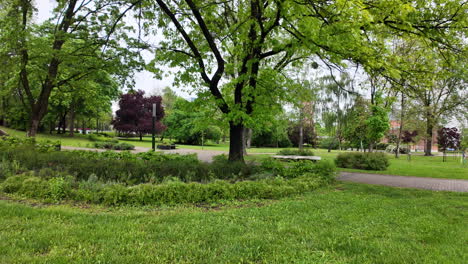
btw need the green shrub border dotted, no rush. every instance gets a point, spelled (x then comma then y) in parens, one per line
(171, 192)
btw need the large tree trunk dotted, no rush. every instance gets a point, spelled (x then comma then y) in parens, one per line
(33, 126)
(39, 106)
(301, 130)
(236, 141)
(428, 150)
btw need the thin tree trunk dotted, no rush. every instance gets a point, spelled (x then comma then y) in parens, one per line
(249, 138)
(397, 153)
(301, 131)
(72, 120)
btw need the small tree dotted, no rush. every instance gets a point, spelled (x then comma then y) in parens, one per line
(135, 114)
(448, 138)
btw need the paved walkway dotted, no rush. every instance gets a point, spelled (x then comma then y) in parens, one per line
(406, 181)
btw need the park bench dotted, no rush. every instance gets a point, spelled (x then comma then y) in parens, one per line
(3, 133)
(311, 158)
(166, 147)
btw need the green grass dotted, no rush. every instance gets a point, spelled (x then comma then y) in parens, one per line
(76, 141)
(347, 223)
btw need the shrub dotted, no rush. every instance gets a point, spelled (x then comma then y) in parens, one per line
(328, 143)
(224, 169)
(382, 146)
(296, 152)
(34, 187)
(124, 146)
(14, 183)
(59, 188)
(113, 145)
(30, 142)
(169, 192)
(363, 161)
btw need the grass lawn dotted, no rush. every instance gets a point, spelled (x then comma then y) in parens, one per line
(76, 141)
(346, 223)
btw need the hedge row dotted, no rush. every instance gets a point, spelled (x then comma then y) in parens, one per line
(169, 192)
(151, 167)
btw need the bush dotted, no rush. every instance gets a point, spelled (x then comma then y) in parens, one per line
(114, 146)
(296, 152)
(328, 143)
(381, 146)
(392, 149)
(30, 142)
(171, 191)
(363, 161)
(124, 146)
(223, 169)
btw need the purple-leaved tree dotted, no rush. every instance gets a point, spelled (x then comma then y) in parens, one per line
(448, 138)
(135, 114)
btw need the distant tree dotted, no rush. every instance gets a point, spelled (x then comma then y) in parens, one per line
(448, 138)
(135, 114)
(408, 137)
(188, 126)
(308, 132)
(367, 123)
(169, 98)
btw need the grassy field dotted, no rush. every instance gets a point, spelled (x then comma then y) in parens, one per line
(76, 141)
(419, 166)
(346, 223)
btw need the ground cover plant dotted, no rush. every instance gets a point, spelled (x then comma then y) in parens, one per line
(344, 223)
(114, 146)
(149, 178)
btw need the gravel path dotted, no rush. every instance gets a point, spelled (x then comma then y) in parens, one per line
(406, 181)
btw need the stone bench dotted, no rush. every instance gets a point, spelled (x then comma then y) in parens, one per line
(311, 158)
(3, 133)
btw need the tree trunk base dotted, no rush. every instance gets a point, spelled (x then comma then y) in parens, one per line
(236, 142)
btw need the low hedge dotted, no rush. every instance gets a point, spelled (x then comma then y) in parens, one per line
(8, 142)
(362, 161)
(128, 168)
(170, 192)
(114, 146)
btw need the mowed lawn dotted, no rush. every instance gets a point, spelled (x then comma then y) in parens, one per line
(346, 223)
(76, 141)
